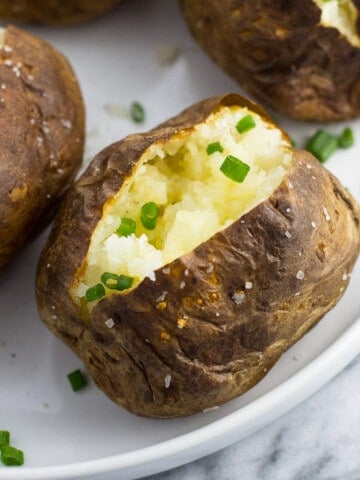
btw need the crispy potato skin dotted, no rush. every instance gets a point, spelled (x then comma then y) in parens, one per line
(42, 136)
(277, 51)
(54, 12)
(223, 348)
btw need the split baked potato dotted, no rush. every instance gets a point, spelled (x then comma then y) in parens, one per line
(41, 136)
(301, 58)
(187, 259)
(54, 12)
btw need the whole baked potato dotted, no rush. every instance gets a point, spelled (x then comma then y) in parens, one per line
(54, 12)
(300, 57)
(41, 136)
(187, 259)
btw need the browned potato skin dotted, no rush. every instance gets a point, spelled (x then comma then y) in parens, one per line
(277, 51)
(42, 136)
(54, 12)
(224, 348)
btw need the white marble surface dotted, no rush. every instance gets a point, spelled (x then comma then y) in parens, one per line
(318, 440)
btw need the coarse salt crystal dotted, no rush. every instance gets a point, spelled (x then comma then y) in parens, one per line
(326, 213)
(167, 381)
(288, 234)
(182, 285)
(288, 210)
(345, 276)
(161, 298)
(166, 271)
(3, 86)
(297, 294)
(210, 269)
(66, 123)
(300, 275)
(308, 166)
(109, 322)
(238, 297)
(290, 185)
(186, 272)
(248, 285)
(8, 62)
(7, 49)
(313, 224)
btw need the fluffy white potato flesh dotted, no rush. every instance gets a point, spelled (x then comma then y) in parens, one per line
(342, 15)
(194, 197)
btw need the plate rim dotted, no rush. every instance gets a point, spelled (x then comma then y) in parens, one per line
(217, 434)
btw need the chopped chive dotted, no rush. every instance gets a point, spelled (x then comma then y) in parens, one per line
(235, 169)
(149, 215)
(346, 139)
(124, 282)
(4, 438)
(127, 227)
(77, 380)
(110, 280)
(137, 112)
(116, 282)
(214, 147)
(322, 145)
(293, 143)
(245, 124)
(95, 293)
(11, 456)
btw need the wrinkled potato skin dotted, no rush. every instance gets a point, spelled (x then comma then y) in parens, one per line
(276, 50)
(224, 348)
(39, 154)
(54, 12)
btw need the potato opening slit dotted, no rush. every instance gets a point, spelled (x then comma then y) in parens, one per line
(342, 15)
(197, 192)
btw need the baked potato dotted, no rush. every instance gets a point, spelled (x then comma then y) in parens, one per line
(186, 260)
(301, 58)
(41, 136)
(54, 12)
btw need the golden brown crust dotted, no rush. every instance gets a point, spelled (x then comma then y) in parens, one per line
(199, 336)
(42, 136)
(54, 12)
(278, 52)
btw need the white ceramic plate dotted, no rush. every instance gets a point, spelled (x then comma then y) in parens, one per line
(67, 435)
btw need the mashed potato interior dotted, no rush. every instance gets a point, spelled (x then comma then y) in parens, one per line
(340, 14)
(194, 197)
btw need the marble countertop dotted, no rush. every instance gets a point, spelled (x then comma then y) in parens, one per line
(318, 440)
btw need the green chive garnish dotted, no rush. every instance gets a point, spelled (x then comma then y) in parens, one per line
(245, 124)
(235, 169)
(77, 380)
(110, 280)
(322, 145)
(137, 112)
(149, 215)
(293, 143)
(124, 282)
(4, 438)
(94, 293)
(127, 227)
(214, 147)
(11, 456)
(116, 282)
(346, 139)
